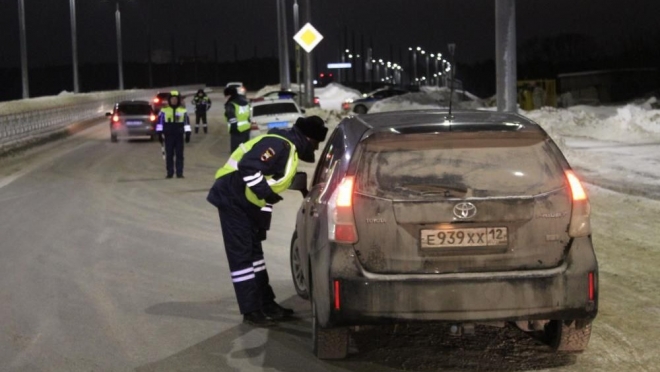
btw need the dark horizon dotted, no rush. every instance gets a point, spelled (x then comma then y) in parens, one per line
(250, 25)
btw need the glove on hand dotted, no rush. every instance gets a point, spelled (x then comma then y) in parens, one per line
(273, 198)
(187, 137)
(233, 129)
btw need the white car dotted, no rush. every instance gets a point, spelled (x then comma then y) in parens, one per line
(239, 87)
(269, 114)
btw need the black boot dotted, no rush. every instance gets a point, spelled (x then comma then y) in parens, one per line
(257, 319)
(276, 312)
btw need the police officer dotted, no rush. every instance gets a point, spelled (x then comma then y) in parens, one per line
(202, 104)
(173, 123)
(237, 112)
(244, 192)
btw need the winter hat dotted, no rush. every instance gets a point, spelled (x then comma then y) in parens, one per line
(231, 91)
(312, 127)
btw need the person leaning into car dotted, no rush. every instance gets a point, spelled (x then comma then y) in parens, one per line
(237, 112)
(173, 123)
(244, 192)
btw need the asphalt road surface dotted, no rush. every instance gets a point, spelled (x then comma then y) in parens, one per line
(107, 266)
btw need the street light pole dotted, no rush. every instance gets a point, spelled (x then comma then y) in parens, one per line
(296, 27)
(285, 80)
(24, 62)
(309, 72)
(119, 48)
(505, 55)
(74, 45)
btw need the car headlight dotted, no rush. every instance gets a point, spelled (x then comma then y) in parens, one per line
(350, 100)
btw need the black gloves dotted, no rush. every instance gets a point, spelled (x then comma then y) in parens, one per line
(233, 128)
(261, 234)
(187, 137)
(273, 198)
(304, 192)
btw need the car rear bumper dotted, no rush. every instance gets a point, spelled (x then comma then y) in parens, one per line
(135, 131)
(557, 293)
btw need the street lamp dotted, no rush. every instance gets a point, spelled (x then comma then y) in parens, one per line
(24, 62)
(119, 48)
(74, 45)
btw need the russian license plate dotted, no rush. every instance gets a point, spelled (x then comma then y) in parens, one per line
(133, 122)
(278, 124)
(470, 237)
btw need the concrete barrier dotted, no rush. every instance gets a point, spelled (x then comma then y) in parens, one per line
(27, 121)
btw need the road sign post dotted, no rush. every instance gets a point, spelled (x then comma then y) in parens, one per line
(308, 38)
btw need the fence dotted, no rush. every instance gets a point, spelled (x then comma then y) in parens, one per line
(24, 125)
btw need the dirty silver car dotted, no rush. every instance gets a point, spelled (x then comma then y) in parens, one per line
(474, 217)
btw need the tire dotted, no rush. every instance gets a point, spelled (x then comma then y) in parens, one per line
(297, 273)
(360, 109)
(113, 138)
(328, 343)
(566, 336)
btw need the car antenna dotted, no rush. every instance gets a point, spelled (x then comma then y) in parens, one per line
(452, 66)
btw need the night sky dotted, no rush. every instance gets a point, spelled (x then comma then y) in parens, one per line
(252, 24)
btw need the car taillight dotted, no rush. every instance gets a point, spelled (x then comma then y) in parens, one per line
(346, 106)
(115, 118)
(152, 117)
(580, 221)
(254, 126)
(156, 100)
(316, 100)
(341, 222)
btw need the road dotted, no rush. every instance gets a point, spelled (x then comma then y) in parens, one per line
(107, 266)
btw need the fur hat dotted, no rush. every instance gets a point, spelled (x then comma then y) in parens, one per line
(312, 127)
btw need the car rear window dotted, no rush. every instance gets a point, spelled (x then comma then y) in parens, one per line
(274, 108)
(134, 109)
(458, 164)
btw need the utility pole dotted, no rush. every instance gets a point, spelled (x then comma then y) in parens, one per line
(216, 66)
(364, 56)
(74, 45)
(355, 58)
(119, 49)
(309, 71)
(149, 47)
(296, 27)
(24, 61)
(285, 80)
(505, 55)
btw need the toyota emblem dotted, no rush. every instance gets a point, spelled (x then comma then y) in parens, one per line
(465, 210)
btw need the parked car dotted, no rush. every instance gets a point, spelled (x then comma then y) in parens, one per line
(160, 101)
(132, 118)
(363, 105)
(474, 217)
(239, 87)
(269, 114)
(283, 94)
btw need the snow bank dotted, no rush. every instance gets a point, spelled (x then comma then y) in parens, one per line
(429, 98)
(333, 95)
(630, 123)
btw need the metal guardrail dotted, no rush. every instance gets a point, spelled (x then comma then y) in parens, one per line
(20, 128)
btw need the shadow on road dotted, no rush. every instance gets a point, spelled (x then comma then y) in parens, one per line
(287, 347)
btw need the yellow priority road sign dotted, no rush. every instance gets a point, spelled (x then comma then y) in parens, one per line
(308, 37)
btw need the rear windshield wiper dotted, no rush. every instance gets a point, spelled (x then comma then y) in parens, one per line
(431, 189)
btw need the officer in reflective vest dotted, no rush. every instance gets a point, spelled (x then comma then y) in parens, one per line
(202, 104)
(244, 192)
(237, 112)
(173, 123)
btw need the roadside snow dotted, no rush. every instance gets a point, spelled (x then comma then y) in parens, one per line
(333, 95)
(429, 98)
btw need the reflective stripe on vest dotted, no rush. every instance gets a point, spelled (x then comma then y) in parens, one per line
(170, 114)
(278, 186)
(242, 114)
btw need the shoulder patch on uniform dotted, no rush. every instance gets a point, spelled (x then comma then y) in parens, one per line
(268, 154)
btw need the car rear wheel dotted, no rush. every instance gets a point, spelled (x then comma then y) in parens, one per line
(113, 138)
(568, 336)
(360, 109)
(297, 269)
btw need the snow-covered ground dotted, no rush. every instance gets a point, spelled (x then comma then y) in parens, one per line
(330, 97)
(429, 98)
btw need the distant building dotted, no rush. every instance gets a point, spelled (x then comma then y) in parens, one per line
(606, 86)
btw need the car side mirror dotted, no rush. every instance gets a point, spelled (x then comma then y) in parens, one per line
(299, 183)
(107, 114)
